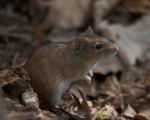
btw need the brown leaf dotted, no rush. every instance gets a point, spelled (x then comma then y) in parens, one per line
(76, 100)
(85, 105)
(140, 117)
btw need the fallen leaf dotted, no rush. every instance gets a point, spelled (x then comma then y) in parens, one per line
(130, 112)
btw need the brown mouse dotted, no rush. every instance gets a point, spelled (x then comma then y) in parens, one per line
(55, 66)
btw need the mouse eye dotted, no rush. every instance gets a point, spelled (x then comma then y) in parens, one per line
(98, 46)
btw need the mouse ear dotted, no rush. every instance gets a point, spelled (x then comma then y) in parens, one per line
(88, 32)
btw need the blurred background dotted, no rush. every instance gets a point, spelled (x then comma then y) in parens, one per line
(122, 81)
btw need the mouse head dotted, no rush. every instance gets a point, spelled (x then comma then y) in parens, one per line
(91, 47)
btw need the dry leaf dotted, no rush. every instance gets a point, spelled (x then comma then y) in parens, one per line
(130, 112)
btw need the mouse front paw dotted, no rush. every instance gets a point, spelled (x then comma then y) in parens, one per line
(88, 76)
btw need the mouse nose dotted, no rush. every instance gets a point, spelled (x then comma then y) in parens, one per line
(114, 48)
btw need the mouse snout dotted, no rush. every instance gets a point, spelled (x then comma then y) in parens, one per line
(114, 48)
